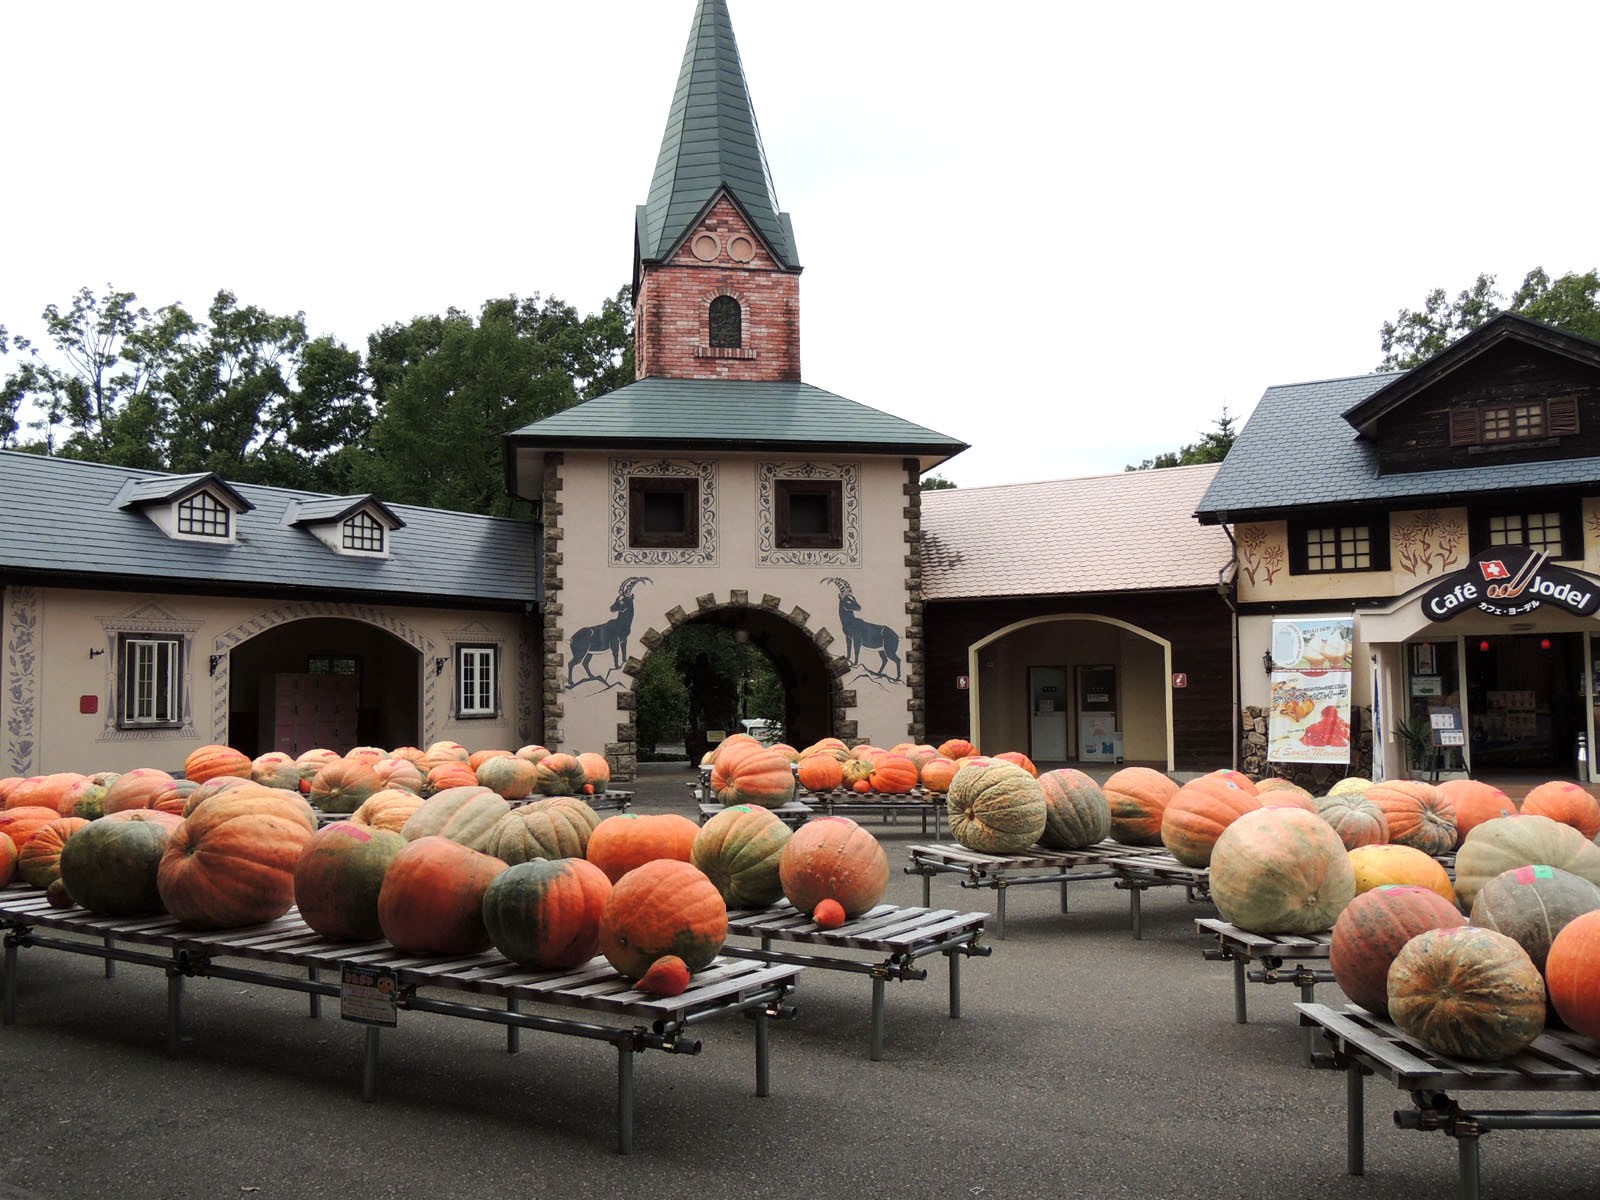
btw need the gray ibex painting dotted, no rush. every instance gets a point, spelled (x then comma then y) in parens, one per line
(862, 635)
(608, 637)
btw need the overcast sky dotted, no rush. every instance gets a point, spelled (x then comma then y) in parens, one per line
(1068, 235)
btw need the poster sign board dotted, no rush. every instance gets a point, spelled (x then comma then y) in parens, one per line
(368, 995)
(1309, 719)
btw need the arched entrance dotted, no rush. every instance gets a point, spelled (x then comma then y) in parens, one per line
(325, 682)
(812, 702)
(1073, 687)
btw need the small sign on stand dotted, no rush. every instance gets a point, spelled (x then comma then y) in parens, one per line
(369, 995)
(1444, 727)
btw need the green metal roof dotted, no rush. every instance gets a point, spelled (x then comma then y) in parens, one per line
(711, 142)
(733, 414)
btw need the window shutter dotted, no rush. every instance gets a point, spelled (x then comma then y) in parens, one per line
(1378, 528)
(1561, 414)
(1464, 427)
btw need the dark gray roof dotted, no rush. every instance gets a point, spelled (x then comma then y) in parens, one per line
(711, 142)
(163, 488)
(62, 517)
(337, 508)
(1297, 450)
(742, 414)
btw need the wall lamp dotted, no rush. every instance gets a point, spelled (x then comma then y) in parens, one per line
(216, 660)
(438, 666)
(94, 654)
(1266, 661)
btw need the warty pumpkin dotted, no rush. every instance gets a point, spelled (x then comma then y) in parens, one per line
(995, 807)
(1138, 796)
(833, 858)
(750, 773)
(664, 907)
(231, 863)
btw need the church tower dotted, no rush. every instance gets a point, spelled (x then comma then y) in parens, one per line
(716, 283)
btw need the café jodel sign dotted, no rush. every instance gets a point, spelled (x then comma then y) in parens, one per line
(1507, 581)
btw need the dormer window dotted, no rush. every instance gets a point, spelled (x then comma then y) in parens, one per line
(203, 515)
(1510, 424)
(363, 531)
(726, 319)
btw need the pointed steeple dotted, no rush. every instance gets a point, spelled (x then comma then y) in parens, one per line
(711, 142)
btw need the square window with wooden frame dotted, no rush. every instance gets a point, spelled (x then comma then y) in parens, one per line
(1338, 548)
(809, 514)
(663, 512)
(150, 681)
(477, 681)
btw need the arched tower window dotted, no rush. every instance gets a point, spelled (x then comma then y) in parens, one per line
(727, 324)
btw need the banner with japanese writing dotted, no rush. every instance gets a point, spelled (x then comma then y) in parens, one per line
(1309, 710)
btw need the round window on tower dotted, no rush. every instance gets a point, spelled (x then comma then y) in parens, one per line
(705, 247)
(741, 249)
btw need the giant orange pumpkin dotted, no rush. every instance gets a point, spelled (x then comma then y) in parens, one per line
(739, 850)
(138, 788)
(39, 862)
(275, 769)
(821, 772)
(558, 775)
(1138, 796)
(596, 772)
(232, 861)
(1281, 870)
(1370, 932)
(344, 785)
(1467, 993)
(937, 773)
(957, 749)
(545, 913)
(1572, 971)
(431, 901)
(628, 840)
(338, 877)
(665, 907)
(1196, 816)
(893, 775)
(508, 776)
(1566, 802)
(211, 760)
(747, 772)
(1386, 863)
(995, 807)
(20, 824)
(1475, 803)
(396, 773)
(1356, 820)
(1418, 814)
(833, 858)
(389, 809)
(8, 859)
(46, 791)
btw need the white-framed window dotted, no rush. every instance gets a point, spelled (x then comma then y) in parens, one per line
(477, 693)
(363, 531)
(1339, 548)
(150, 681)
(203, 515)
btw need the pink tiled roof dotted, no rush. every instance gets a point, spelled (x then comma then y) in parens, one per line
(1131, 531)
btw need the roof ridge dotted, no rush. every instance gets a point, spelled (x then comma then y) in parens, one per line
(989, 487)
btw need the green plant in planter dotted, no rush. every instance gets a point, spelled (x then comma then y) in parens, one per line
(1417, 736)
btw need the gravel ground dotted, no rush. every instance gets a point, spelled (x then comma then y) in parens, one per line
(1085, 1064)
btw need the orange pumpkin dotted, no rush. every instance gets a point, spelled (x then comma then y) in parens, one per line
(938, 772)
(596, 772)
(211, 787)
(1197, 815)
(833, 858)
(20, 824)
(957, 748)
(8, 859)
(1138, 797)
(478, 757)
(664, 907)
(545, 913)
(507, 775)
(820, 773)
(1566, 802)
(389, 809)
(232, 862)
(1019, 759)
(750, 773)
(46, 791)
(558, 775)
(401, 773)
(1417, 813)
(1572, 971)
(1475, 803)
(137, 788)
(629, 840)
(431, 900)
(212, 760)
(1378, 865)
(533, 753)
(893, 775)
(343, 786)
(39, 862)
(451, 773)
(275, 769)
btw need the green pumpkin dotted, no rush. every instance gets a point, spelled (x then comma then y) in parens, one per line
(996, 807)
(555, 828)
(109, 866)
(1077, 814)
(545, 913)
(739, 850)
(339, 876)
(1281, 870)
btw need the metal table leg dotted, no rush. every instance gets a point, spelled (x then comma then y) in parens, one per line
(1308, 993)
(1135, 914)
(513, 1032)
(111, 963)
(1354, 1120)
(1064, 907)
(624, 1098)
(369, 1064)
(763, 1063)
(1239, 1003)
(174, 1010)
(877, 1018)
(1467, 1181)
(1000, 909)
(316, 997)
(8, 1000)
(927, 889)
(953, 957)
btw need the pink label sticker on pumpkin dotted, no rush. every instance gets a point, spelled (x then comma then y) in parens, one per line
(1529, 874)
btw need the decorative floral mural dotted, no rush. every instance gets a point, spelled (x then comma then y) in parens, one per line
(1260, 555)
(1427, 542)
(21, 685)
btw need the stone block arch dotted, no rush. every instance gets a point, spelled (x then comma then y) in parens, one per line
(791, 631)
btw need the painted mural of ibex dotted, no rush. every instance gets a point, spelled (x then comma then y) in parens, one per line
(609, 635)
(862, 635)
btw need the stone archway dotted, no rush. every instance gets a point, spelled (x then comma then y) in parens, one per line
(812, 674)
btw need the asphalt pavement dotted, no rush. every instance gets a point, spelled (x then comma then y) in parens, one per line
(1085, 1064)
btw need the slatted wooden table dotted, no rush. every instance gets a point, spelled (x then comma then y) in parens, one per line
(901, 935)
(1363, 1045)
(1272, 951)
(729, 985)
(916, 803)
(793, 814)
(1000, 872)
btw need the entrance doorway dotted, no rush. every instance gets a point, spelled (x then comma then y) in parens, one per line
(1525, 701)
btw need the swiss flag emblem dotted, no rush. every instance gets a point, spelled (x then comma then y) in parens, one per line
(1494, 569)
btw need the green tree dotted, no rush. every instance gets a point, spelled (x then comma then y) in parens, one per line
(448, 388)
(1212, 447)
(936, 483)
(1571, 302)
